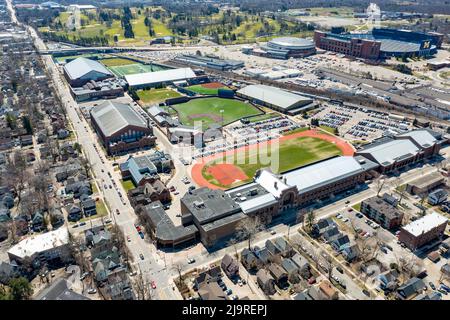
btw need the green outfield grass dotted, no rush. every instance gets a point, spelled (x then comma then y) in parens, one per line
(155, 96)
(290, 154)
(202, 90)
(114, 62)
(123, 70)
(207, 110)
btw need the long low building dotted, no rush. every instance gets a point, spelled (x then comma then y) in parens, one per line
(275, 98)
(164, 77)
(121, 128)
(394, 153)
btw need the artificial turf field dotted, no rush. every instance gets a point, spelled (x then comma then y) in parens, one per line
(114, 62)
(156, 96)
(207, 110)
(203, 89)
(124, 70)
(289, 154)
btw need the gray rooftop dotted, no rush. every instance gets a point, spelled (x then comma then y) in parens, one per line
(383, 207)
(322, 173)
(391, 151)
(82, 66)
(59, 290)
(113, 116)
(274, 96)
(207, 205)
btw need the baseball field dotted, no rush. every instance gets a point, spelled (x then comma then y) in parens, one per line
(207, 88)
(208, 111)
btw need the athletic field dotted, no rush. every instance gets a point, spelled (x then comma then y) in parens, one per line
(207, 88)
(156, 96)
(114, 62)
(208, 110)
(134, 68)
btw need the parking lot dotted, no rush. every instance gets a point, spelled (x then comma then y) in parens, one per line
(357, 123)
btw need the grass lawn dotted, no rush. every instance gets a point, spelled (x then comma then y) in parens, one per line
(263, 117)
(113, 62)
(101, 211)
(202, 90)
(290, 154)
(155, 96)
(127, 185)
(445, 75)
(357, 206)
(207, 110)
(94, 187)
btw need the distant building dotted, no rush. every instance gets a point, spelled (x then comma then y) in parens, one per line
(284, 48)
(210, 62)
(80, 71)
(121, 128)
(422, 231)
(384, 213)
(158, 78)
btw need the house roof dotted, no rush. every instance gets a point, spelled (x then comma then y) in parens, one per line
(60, 290)
(81, 66)
(411, 287)
(113, 116)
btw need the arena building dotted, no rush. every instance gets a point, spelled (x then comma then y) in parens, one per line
(380, 43)
(284, 48)
(121, 128)
(158, 78)
(80, 71)
(275, 98)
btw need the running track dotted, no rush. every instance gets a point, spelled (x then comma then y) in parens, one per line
(196, 172)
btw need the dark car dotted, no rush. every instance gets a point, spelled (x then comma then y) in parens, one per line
(141, 256)
(339, 269)
(432, 286)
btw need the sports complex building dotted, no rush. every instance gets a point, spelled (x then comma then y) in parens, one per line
(275, 98)
(159, 78)
(380, 43)
(80, 71)
(120, 128)
(284, 48)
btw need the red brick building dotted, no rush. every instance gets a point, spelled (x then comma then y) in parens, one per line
(422, 231)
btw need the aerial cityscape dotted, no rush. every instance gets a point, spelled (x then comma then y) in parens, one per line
(224, 150)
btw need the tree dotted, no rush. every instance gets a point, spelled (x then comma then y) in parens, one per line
(233, 242)
(309, 221)
(178, 267)
(248, 228)
(20, 289)
(379, 184)
(423, 196)
(400, 188)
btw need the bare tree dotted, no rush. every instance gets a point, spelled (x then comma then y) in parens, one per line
(379, 183)
(400, 188)
(248, 228)
(17, 174)
(178, 267)
(118, 238)
(233, 242)
(141, 287)
(423, 196)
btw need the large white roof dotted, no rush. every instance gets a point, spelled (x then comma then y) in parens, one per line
(271, 183)
(81, 66)
(113, 116)
(149, 78)
(315, 175)
(275, 96)
(422, 137)
(257, 202)
(387, 153)
(40, 243)
(425, 223)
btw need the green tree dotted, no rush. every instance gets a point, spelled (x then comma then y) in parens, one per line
(20, 289)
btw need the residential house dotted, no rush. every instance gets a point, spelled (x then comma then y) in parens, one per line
(249, 260)
(263, 255)
(410, 289)
(38, 222)
(74, 213)
(230, 266)
(265, 282)
(340, 243)
(211, 275)
(59, 290)
(328, 290)
(279, 274)
(322, 225)
(89, 207)
(291, 269)
(445, 269)
(211, 291)
(5, 214)
(284, 247)
(350, 252)
(303, 265)
(331, 234)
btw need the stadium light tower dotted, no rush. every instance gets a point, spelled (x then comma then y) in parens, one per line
(221, 113)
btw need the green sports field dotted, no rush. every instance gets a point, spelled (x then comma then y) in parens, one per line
(203, 90)
(124, 70)
(289, 154)
(156, 96)
(207, 110)
(114, 62)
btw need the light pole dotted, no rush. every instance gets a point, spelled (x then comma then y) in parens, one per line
(221, 113)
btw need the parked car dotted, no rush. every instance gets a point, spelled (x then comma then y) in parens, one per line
(432, 286)
(339, 269)
(141, 256)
